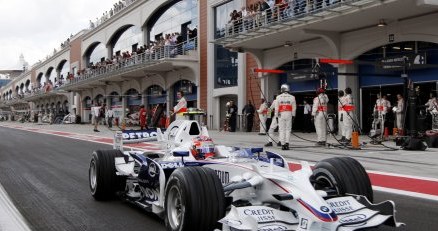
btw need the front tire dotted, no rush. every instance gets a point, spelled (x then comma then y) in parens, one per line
(104, 182)
(195, 200)
(343, 174)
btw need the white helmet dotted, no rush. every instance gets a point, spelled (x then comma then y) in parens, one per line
(284, 88)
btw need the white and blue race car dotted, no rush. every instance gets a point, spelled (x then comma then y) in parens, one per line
(196, 185)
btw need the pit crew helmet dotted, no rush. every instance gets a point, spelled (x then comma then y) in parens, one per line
(284, 88)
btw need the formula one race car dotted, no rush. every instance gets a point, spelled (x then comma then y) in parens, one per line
(196, 185)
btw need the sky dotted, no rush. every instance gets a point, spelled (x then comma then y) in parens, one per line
(35, 27)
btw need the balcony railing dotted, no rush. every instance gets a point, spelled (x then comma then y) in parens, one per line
(146, 58)
(290, 13)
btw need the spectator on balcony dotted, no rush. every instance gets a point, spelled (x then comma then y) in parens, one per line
(266, 12)
(192, 33)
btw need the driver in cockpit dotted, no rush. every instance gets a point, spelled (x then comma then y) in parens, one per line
(202, 147)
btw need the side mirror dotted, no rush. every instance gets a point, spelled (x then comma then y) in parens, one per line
(181, 153)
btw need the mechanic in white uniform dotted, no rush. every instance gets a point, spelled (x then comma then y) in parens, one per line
(181, 107)
(399, 112)
(340, 114)
(285, 110)
(274, 124)
(347, 124)
(263, 115)
(319, 113)
(380, 111)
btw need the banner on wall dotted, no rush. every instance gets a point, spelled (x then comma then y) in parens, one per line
(397, 63)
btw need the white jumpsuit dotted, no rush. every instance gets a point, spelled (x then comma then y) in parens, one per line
(285, 109)
(180, 109)
(381, 109)
(274, 123)
(399, 113)
(319, 111)
(347, 123)
(263, 115)
(341, 103)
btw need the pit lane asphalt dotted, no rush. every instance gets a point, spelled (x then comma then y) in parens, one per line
(47, 179)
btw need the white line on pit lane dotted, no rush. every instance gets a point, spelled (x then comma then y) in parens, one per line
(10, 217)
(406, 193)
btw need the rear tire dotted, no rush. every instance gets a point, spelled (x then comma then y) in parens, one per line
(104, 182)
(194, 200)
(344, 174)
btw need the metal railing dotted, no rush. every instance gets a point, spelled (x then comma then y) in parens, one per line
(281, 13)
(148, 57)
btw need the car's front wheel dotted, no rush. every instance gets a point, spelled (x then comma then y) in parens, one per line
(102, 174)
(194, 200)
(343, 174)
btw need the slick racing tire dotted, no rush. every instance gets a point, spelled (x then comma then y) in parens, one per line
(343, 174)
(104, 182)
(194, 200)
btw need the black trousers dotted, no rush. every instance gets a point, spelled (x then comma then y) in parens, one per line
(233, 123)
(249, 122)
(110, 122)
(307, 123)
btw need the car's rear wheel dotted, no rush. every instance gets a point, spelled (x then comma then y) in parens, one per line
(194, 200)
(343, 174)
(102, 174)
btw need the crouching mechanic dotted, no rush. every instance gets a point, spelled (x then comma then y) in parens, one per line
(319, 113)
(285, 110)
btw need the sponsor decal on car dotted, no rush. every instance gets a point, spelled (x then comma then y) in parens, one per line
(232, 222)
(273, 227)
(264, 214)
(342, 205)
(139, 134)
(353, 218)
(170, 165)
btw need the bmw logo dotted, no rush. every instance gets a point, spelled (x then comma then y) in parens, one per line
(325, 209)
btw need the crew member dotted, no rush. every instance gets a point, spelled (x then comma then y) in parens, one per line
(263, 114)
(285, 110)
(380, 111)
(181, 107)
(274, 123)
(400, 111)
(96, 115)
(248, 111)
(319, 113)
(347, 115)
(110, 116)
(142, 115)
(307, 117)
(340, 114)
(232, 111)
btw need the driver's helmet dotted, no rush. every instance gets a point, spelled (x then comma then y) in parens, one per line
(203, 147)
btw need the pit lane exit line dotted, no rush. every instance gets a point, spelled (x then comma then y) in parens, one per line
(421, 187)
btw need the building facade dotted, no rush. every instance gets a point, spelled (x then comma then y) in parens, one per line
(209, 49)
